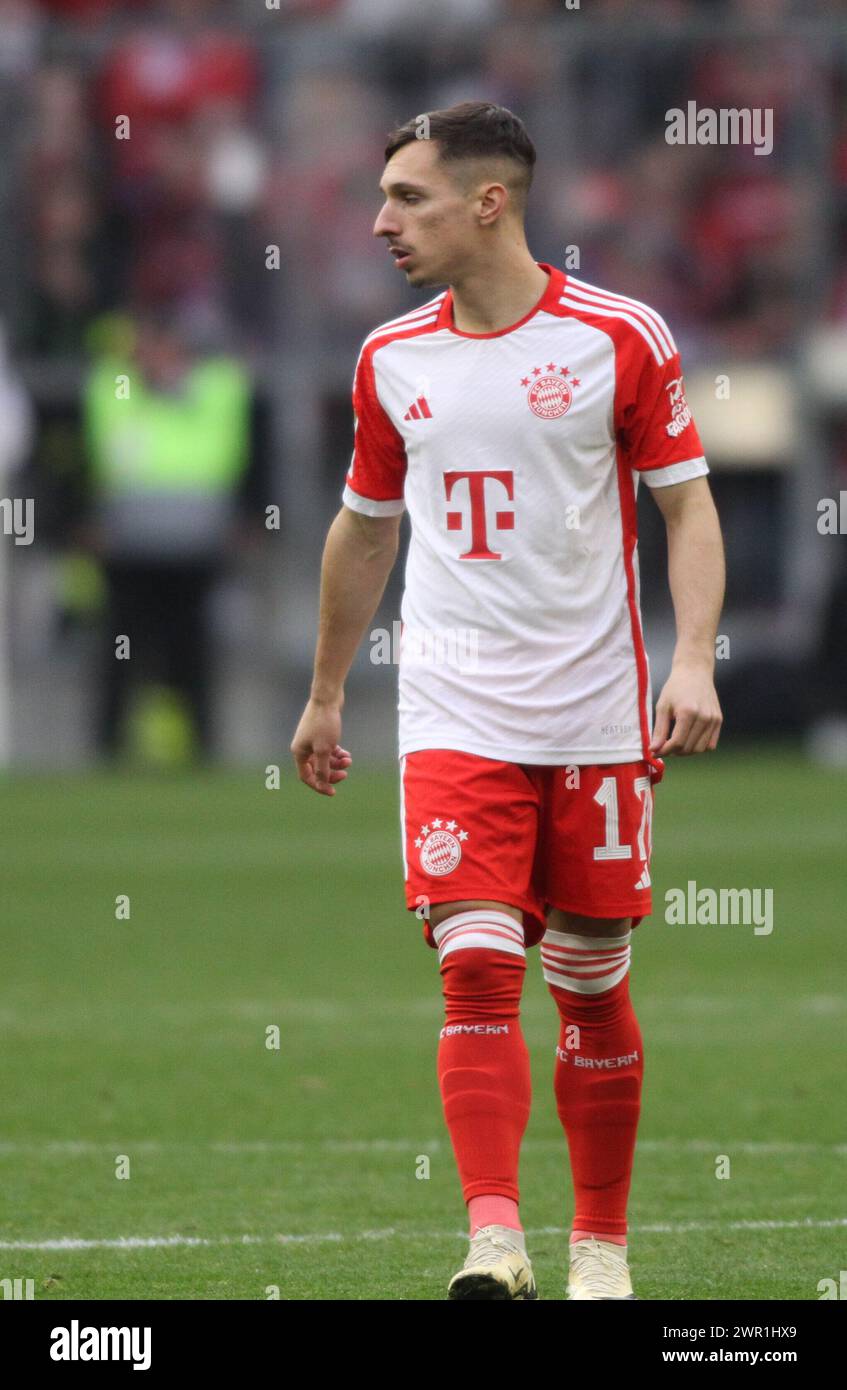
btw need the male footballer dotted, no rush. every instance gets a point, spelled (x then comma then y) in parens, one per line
(514, 415)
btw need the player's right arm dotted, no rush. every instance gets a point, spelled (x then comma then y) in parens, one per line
(358, 557)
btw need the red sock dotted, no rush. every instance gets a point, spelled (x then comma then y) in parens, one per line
(599, 1105)
(491, 1210)
(483, 1069)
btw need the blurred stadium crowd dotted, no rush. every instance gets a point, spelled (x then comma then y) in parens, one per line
(237, 216)
(228, 153)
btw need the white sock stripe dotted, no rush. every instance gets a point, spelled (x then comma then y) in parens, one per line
(594, 944)
(584, 964)
(568, 953)
(549, 967)
(490, 928)
(577, 963)
(583, 967)
(491, 941)
(478, 916)
(556, 968)
(582, 984)
(480, 927)
(581, 289)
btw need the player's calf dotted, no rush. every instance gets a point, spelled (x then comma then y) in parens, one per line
(597, 1083)
(483, 1073)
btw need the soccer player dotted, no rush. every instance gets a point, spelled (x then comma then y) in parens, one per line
(514, 415)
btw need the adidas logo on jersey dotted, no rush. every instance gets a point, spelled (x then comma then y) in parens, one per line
(644, 881)
(419, 410)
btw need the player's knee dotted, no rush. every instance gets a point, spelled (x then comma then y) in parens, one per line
(602, 927)
(476, 969)
(482, 960)
(480, 984)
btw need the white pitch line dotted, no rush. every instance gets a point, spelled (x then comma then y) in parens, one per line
(324, 1237)
(168, 1242)
(79, 1147)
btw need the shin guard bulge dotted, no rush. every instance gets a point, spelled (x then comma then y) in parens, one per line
(599, 1071)
(483, 1063)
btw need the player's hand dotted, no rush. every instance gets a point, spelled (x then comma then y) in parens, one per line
(318, 756)
(689, 701)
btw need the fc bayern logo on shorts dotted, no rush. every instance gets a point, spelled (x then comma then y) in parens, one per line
(550, 390)
(440, 848)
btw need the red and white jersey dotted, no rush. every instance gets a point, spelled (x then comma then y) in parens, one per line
(518, 455)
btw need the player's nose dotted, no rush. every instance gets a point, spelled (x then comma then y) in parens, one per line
(386, 224)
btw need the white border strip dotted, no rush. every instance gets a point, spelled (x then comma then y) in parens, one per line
(369, 506)
(78, 1148)
(72, 1243)
(431, 307)
(673, 472)
(401, 329)
(581, 289)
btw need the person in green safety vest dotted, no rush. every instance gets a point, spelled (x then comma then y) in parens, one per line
(167, 438)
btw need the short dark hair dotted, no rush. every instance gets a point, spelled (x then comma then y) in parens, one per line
(472, 130)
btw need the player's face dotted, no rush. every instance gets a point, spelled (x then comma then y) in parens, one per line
(427, 218)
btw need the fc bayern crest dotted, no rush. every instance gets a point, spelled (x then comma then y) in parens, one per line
(440, 848)
(550, 390)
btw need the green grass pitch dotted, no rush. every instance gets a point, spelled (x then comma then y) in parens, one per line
(298, 1167)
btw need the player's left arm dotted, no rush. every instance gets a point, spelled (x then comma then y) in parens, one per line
(688, 713)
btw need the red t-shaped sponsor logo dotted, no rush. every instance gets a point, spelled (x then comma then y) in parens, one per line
(503, 521)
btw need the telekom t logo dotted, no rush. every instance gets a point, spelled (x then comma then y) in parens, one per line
(503, 521)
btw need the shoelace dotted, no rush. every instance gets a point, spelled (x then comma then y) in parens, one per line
(604, 1280)
(489, 1251)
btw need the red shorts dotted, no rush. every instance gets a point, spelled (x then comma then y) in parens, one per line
(576, 838)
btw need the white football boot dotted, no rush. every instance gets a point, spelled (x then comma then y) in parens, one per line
(497, 1266)
(598, 1270)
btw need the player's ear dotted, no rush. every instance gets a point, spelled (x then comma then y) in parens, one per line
(493, 201)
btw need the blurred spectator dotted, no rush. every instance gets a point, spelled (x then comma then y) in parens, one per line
(176, 104)
(91, 11)
(20, 23)
(323, 200)
(754, 226)
(62, 213)
(381, 16)
(17, 419)
(168, 444)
